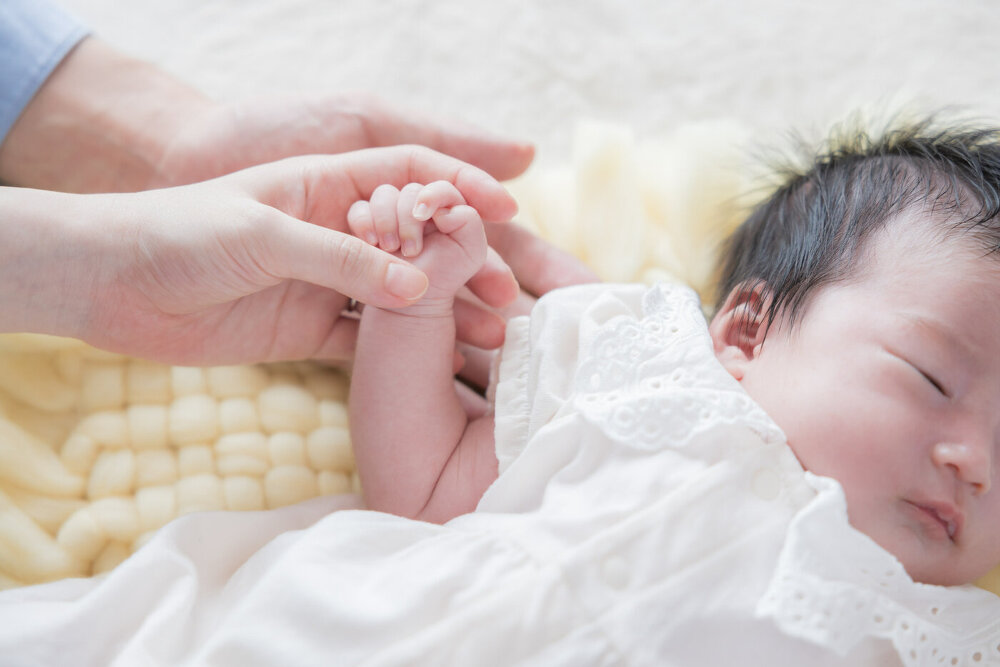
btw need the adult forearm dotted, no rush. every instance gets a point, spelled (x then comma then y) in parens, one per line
(48, 260)
(100, 123)
(406, 419)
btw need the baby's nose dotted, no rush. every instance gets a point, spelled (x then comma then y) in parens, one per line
(972, 462)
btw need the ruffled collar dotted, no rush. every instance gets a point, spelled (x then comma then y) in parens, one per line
(834, 586)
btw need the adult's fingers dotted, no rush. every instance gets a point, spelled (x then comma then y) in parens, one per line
(298, 250)
(494, 283)
(499, 156)
(478, 326)
(479, 358)
(522, 305)
(478, 363)
(321, 188)
(538, 265)
(475, 406)
(338, 347)
(400, 165)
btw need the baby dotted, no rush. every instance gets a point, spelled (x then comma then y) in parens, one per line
(872, 279)
(851, 375)
(790, 484)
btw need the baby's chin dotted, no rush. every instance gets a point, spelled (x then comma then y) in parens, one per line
(937, 576)
(925, 560)
(942, 571)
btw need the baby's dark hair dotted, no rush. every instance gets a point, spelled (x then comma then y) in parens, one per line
(811, 230)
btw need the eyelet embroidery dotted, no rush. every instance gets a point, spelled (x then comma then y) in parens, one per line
(638, 370)
(834, 586)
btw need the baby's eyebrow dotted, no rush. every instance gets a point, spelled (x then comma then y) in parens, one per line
(942, 336)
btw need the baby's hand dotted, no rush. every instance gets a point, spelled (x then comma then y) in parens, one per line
(450, 250)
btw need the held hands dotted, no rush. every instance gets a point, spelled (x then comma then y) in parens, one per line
(433, 227)
(260, 285)
(253, 266)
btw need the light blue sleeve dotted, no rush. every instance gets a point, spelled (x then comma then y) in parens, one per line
(35, 35)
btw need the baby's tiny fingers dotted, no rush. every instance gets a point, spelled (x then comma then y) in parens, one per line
(383, 207)
(359, 220)
(434, 196)
(452, 219)
(411, 230)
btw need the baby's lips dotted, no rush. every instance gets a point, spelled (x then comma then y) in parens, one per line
(949, 516)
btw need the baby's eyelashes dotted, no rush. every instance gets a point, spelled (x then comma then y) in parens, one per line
(934, 382)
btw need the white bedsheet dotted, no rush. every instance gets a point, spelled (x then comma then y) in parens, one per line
(162, 602)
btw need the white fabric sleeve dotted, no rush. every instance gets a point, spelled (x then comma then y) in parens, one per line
(541, 355)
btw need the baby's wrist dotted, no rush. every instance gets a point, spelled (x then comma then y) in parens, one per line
(430, 306)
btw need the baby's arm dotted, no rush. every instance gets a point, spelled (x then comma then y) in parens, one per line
(418, 454)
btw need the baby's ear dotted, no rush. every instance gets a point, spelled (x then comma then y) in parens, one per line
(738, 329)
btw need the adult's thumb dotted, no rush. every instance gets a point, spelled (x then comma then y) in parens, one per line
(344, 263)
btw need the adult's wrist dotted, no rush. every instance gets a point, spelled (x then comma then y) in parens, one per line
(50, 264)
(100, 123)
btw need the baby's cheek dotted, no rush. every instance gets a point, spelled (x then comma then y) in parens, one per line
(828, 444)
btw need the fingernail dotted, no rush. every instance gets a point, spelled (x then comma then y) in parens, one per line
(405, 281)
(371, 238)
(409, 248)
(421, 212)
(390, 242)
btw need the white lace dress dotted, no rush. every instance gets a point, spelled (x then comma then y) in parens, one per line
(614, 392)
(647, 513)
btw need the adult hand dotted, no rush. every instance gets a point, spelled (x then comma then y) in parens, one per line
(105, 122)
(225, 138)
(539, 267)
(254, 266)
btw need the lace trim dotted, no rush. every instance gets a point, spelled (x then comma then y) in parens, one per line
(639, 369)
(834, 586)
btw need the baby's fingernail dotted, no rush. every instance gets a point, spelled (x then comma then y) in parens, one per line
(405, 281)
(390, 242)
(371, 238)
(409, 248)
(421, 212)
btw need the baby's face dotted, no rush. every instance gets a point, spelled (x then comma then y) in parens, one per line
(891, 384)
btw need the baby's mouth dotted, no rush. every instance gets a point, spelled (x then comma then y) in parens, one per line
(949, 518)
